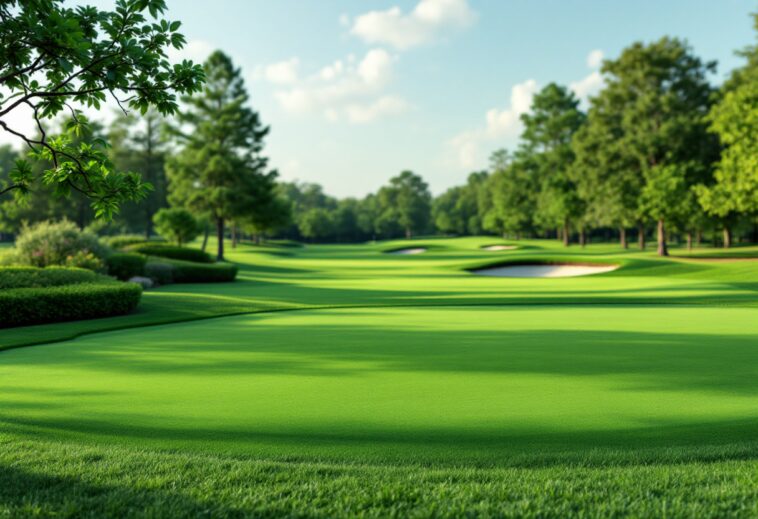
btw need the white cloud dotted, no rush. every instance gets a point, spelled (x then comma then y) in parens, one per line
(346, 90)
(384, 106)
(375, 68)
(588, 85)
(426, 23)
(284, 72)
(595, 58)
(499, 125)
(592, 83)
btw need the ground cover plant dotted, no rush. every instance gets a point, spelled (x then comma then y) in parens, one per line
(344, 381)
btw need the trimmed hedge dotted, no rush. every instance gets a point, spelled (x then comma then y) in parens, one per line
(35, 277)
(126, 265)
(26, 306)
(123, 240)
(188, 272)
(160, 273)
(171, 252)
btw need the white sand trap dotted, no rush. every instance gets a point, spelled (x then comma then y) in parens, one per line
(417, 250)
(498, 247)
(544, 271)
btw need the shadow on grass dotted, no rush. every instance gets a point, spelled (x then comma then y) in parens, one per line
(26, 494)
(629, 363)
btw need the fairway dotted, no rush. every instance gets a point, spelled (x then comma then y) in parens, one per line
(452, 384)
(400, 373)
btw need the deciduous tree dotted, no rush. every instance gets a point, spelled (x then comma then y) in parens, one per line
(55, 58)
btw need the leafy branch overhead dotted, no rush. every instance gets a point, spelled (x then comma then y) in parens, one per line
(55, 59)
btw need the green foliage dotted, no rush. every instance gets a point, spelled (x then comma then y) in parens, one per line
(171, 251)
(457, 210)
(646, 141)
(140, 144)
(405, 203)
(220, 169)
(123, 240)
(191, 272)
(735, 120)
(34, 277)
(316, 223)
(549, 127)
(177, 225)
(160, 273)
(96, 53)
(59, 243)
(27, 306)
(510, 200)
(126, 265)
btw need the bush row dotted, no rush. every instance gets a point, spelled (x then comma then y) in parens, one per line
(34, 277)
(126, 265)
(171, 252)
(176, 271)
(124, 240)
(26, 306)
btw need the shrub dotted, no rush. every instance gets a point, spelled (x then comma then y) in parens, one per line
(59, 243)
(171, 252)
(126, 265)
(189, 272)
(33, 277)
(124, 240)
(26, 306)
(161, 273)
(85, 260)
(176, 224)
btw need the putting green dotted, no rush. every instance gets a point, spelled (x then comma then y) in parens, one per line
(427, 384)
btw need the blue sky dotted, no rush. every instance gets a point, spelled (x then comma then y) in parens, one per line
(356, 91)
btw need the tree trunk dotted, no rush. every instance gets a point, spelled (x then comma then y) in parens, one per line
(641, 236)
(205, 236)
(582, 237)
(689, 240)
(662, 249)
(698, 237)
(234, 235)
(566, 241)
(727, 237)
(408, 233)
(622, 238)
(220, 237)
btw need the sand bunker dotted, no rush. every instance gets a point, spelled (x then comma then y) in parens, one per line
(498, 247)
(544, 271)
(416, 250)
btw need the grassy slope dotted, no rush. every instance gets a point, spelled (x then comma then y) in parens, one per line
(614, 408)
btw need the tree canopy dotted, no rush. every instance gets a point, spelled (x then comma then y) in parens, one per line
(56, 59)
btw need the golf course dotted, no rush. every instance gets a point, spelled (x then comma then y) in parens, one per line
(378, 259)
(346, 381)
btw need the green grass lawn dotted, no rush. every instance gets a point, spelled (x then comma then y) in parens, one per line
(342, 381)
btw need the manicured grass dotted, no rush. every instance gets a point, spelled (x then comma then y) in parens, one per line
(401, 385)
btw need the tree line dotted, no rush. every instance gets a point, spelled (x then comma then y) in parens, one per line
(660, 152)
